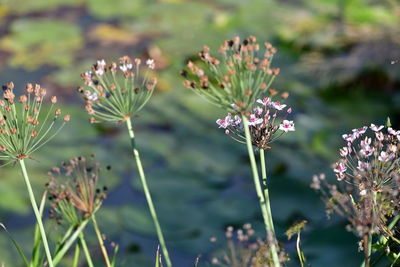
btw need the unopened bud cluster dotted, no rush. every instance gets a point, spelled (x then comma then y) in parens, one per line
(239, 76)
(26, 123)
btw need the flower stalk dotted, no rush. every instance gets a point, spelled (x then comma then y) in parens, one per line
(266, 215)
(100, 239)
(37, 213)
(86, 250)
(147, 193)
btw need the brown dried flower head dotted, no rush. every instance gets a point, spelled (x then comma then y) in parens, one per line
(74, 189)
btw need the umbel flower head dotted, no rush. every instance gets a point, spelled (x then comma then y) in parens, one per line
(237, 78)
(26, 124)
(116, 92)
(267, 123)
(368, 175)
(370, 158)
(74, 189)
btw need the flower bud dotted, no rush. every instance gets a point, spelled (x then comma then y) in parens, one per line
(67, 118)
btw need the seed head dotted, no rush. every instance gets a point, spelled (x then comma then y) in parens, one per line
(241, 75)
(74, 189)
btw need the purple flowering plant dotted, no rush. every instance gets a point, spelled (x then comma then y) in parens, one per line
(367, 193)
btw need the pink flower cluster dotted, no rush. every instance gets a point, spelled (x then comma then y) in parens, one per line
(263, 123)
(370, 157)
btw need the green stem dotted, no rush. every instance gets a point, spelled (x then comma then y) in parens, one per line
(261, 198)
(299, 252)
(76, 257)
(147, 193)
(266, 192)
(101, 242)
(65, 246)
(37, 213)
(86, 250)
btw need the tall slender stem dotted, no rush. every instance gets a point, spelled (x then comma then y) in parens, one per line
(266, 192)
(76, 256)
(261, 198)
(85, 250)
(101, 242)
(147, 193)
(37, 213)
(299, 252)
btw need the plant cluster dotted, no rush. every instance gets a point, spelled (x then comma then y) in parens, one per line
(238, 81)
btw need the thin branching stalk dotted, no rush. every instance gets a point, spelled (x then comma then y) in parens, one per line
(101, 242)
(261, 198)
(147, 194)
(86, 250)
(37, 213)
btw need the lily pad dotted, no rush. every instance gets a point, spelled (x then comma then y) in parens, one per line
(53, 42)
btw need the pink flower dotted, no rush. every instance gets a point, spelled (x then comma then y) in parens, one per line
(376, 128)
(344, 151)
(92, 97)
(366, 142)
(277, 105)
(363, 166)
(379, 136)
(349, 137)
(264, 101)
(253, 120)
(385, 157)
(150, 63)
(101, 63)
(340, 168)
(258, 111)
(237, 120)
(392, 148)
(360, 131)
(224, 123)
(393, 132)
(367, 151)
(287, 126)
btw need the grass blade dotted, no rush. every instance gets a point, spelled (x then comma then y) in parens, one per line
(21, 253)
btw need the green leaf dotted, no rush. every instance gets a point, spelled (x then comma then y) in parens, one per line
(16, 245)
